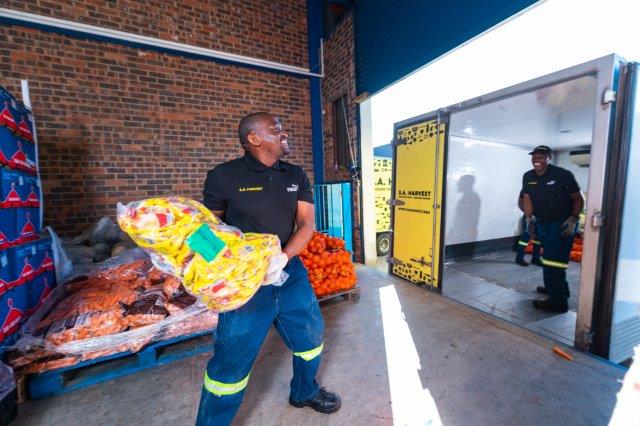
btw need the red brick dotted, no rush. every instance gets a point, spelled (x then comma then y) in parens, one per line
(152, 125)
(339, 80)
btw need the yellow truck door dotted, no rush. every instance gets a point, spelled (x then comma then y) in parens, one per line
(417, 202)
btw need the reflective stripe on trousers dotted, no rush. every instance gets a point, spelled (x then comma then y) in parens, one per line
(220, 388)
(309, 355)
(554, 264)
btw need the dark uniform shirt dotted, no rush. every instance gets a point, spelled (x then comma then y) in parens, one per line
(551, 193)
(258, 198)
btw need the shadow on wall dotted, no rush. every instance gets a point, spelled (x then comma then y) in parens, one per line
(464, 227)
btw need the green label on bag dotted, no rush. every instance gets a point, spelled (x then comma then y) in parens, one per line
(205, 242)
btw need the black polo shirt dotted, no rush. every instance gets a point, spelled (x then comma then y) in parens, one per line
(258, 198)
(551, 193)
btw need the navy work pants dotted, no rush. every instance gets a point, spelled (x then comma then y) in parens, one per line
(293, 310)
(523, 242)
(555, 260)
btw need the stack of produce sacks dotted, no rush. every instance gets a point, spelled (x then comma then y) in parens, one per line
(198, 266)
(329, 265)
(116, 309)
(215, 262)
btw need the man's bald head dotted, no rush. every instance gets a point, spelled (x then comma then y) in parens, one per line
(249, 123)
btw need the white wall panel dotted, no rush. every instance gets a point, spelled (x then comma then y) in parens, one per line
(561, 159)
(483, 184)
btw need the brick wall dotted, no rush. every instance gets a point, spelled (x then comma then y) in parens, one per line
(339, 80)
(269, 29)
(117, 123)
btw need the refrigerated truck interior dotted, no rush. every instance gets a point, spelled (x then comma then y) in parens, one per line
(488, 151)
(455, 221)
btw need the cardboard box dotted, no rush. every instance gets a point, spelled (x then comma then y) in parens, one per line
(13, 307)
(8, 234)
(38, 290)
(27, 224)
(7, 270)
(25, 123)
(24, 269)
(29, 190)
(44, 256)
(8, 110)
(10, 188)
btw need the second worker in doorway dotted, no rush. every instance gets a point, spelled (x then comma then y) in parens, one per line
(552, 205)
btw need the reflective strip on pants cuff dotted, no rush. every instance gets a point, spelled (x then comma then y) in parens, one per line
(522, 243)
(219, 388)
(553, 264)
(309, 355)
(537, 243)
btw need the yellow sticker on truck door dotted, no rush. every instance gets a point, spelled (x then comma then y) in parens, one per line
(418, 178)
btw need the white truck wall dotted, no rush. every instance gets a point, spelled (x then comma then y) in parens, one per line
(483, 183)
(561, 159)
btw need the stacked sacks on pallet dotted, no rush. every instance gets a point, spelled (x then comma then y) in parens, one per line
(120, 307)
(101, 241)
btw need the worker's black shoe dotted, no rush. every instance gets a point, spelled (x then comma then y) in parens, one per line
(550, 306)
(324, 402)
(521, 262)
(537, 262)
(542, 289)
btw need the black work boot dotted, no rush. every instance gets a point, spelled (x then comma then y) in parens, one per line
(542, 289)
(521, 262)
(550, 305)
(324, 402)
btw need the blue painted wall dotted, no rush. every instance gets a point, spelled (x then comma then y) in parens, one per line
(394, 38)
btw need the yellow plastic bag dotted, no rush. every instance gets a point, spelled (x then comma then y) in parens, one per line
(216, 262)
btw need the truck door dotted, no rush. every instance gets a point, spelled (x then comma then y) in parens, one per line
(417, 200)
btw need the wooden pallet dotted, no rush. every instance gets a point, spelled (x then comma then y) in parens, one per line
(89, 373)
(352, 294)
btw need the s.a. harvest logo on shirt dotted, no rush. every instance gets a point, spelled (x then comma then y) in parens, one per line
(250, 189)
(293, 188)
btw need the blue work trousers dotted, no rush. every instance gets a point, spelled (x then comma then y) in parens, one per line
(523, 242)
(293, 309)
(555, 259)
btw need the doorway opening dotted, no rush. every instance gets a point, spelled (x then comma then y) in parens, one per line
(487, 154)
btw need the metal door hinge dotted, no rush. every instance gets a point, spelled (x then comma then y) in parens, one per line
(588, 336)
(608, 96)
(395, 202)
(422, 261)
(597, 219)
(398, 141)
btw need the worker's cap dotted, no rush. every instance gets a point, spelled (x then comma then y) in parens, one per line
(541, 149)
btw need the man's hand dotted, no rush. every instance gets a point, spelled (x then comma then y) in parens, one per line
(569, 226)
(532, 229)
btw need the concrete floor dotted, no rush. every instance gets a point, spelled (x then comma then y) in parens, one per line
(400, 352)
(494, 284)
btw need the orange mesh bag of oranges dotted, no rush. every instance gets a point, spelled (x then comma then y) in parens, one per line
(328, 264)
(215, 262)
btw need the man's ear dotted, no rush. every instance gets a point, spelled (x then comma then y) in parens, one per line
(253, 139)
